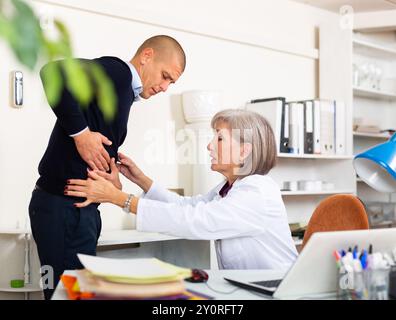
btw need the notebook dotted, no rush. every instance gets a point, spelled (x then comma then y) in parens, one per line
(136, 271)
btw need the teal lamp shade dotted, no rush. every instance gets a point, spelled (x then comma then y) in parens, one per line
(377, 166)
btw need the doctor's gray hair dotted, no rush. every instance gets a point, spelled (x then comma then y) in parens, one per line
(253, 128)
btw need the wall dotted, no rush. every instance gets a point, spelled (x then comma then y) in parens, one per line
(244, 49)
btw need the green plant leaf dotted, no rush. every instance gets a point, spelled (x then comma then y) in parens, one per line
(60, 47)
(26, 40)
(55, 49)
(24, 35)
(5, 28)
(53, 83)
(105, 93)
(77, 81)
(64, 34)
(23, 8)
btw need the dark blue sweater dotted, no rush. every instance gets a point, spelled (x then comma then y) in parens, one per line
(61, 160)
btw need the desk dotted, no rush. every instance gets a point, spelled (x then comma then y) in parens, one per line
(188, 253)
(215, 281)
(119, 237)
(137, 244)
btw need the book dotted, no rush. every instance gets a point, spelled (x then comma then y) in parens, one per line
(88, 282)
(72, 288)
(137, 271)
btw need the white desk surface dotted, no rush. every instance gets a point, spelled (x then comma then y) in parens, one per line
(215, 282)
(116, 237)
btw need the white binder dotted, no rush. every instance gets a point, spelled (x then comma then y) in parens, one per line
(294, 127)
(300, 124)
(316, 134)
(327, 133)
(271, 109)
(340, 128)
(308, 127)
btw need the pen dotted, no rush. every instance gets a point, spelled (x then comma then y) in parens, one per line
(355, 252)
(363, 259)
(337, 257)
(361, 254)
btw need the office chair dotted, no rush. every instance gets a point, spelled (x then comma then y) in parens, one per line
(337, 213)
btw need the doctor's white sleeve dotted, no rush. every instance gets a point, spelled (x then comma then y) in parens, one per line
(237, 215)
(159, 193)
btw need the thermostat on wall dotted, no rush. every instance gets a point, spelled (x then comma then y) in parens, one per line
(17, 89)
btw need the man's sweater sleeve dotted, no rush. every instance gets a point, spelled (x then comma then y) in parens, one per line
(67, 110)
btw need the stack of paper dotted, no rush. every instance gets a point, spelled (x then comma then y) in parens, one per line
(147, 278)
(143, 270)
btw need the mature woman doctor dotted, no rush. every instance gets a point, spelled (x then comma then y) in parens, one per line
(245, 215)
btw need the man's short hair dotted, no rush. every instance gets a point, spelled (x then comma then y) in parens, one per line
(165, 45)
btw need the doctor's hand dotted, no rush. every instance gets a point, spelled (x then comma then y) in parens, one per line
(96, 189)
(89, 145)
(131, 171)
(114, 176)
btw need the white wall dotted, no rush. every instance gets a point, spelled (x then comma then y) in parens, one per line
(241, 71)
(246, 49)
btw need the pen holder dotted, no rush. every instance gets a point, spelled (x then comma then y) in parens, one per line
(360, 289)
(370, 284)
(392, 283)
(378, 284)
(353, 285)
(345, 285)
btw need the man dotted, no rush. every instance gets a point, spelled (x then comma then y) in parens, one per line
(81, 139)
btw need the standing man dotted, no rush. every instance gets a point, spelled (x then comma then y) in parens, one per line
(81, 139)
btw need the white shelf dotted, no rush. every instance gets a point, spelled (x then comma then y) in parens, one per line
(313, 193)
(378, 50)
(373, 94)
(26, 288)
(314, 156)
(117, 237)
(384, 136)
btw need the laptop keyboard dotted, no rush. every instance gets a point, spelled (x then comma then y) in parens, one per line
(268, 283)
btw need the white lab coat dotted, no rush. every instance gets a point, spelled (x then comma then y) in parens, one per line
(249, 224)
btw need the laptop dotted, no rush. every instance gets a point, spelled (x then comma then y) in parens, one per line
(314, 272)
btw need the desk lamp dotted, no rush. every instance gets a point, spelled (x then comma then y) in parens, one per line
(377, 166)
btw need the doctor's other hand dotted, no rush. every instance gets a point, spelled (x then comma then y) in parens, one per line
(96, 189)
(131, 171)
(89, 145)
(113, 176)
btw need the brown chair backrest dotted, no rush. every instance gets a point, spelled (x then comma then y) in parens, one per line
(337, 213)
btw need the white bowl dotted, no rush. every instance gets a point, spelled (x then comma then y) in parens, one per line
(200, 105)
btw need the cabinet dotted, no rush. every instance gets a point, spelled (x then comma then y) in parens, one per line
(29, 287)
(301, 204)
(333, 83)
(374, 100)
